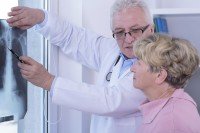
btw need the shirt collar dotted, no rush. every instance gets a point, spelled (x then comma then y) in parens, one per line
(151, 109)
(124, 57)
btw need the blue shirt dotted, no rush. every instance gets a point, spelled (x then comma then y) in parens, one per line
(127, 63)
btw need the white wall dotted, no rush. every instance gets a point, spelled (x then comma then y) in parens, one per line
(173, 3)
(96, 16)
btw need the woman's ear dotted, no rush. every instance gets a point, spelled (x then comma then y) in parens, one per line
(152, 30)
(161, 76)
(152, 27)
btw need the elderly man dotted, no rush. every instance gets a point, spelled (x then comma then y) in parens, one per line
(111, 99)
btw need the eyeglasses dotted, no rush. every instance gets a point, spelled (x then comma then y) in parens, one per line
(133, 33)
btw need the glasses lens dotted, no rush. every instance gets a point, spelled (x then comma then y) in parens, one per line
(119, 35)
(133, 33)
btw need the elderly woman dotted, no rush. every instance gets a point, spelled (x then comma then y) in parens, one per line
(164, 66)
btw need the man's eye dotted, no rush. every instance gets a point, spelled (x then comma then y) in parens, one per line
(135, 30)
(120, 32)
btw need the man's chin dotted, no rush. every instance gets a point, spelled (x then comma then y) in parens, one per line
(129, 56)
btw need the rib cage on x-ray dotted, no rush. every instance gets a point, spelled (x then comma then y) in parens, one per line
(13, 88)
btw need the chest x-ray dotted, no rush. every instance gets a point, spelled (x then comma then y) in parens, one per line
(13, 88)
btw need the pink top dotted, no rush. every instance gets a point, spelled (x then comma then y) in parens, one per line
(176, 114)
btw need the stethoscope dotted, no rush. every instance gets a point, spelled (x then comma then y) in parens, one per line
(108, 76)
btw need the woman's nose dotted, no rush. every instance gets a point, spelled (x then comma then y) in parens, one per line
(133, 68)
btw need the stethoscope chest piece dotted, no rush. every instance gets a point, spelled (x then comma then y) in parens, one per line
(108, 76)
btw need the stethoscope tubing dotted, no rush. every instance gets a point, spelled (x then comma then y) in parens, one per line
(108, 75)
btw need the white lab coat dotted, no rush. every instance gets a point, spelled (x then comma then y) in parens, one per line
(115, 103)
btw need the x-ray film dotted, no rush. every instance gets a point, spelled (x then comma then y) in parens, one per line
(13, 88)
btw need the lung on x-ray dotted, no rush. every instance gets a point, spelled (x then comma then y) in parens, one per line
(13, 88)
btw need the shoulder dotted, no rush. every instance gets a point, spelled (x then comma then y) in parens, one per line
(112, 51)
(180, 114)
(184, 115)
(182, 104)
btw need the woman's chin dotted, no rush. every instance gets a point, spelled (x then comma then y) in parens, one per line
(136, 86)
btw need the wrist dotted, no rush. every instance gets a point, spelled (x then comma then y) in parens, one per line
(48, 82)
(41, 16)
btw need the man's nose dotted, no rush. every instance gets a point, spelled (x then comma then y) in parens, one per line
(128, 38)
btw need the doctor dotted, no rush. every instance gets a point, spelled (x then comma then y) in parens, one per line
(111, 99)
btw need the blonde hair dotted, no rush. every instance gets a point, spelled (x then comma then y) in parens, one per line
(177, 56)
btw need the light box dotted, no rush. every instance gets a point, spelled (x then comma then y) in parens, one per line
(6, 6)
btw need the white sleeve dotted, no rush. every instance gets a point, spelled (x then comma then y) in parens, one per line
(80, 44)
(115, 101)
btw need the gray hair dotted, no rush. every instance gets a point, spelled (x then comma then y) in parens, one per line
(119, 5)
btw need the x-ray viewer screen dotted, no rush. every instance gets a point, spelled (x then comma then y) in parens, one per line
(13, 88)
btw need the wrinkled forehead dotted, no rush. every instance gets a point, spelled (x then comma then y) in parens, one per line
(129, 18)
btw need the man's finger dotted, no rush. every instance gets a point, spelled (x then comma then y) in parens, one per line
(16, 18)
(13, 13)
(16, 8)
(24, 72)
(28, 60)
(24, 66)
(17, 23)
(24, 27)
(24, 76)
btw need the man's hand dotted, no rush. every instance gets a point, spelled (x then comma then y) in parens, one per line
(35, 73)
(25, 17)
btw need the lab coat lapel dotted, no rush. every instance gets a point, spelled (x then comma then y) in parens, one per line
(125, 73)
